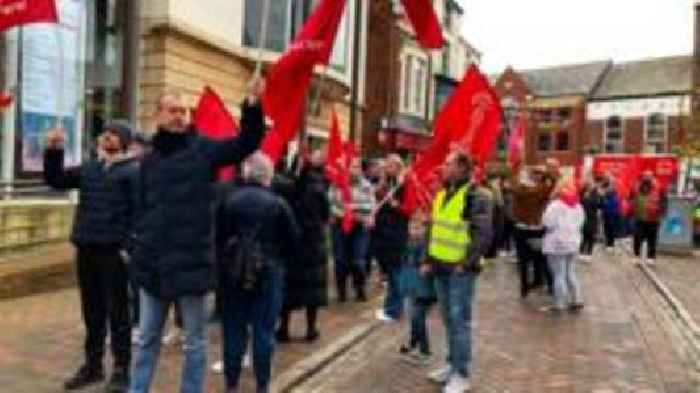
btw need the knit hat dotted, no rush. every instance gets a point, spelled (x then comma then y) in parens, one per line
(122, 129)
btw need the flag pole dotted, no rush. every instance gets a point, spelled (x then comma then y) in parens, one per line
(263, 38)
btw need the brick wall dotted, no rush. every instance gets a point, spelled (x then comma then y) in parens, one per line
(634, 133)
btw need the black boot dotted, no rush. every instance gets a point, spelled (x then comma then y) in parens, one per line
(342, 290)
(85, 376)
(361, 296)
(119, 383)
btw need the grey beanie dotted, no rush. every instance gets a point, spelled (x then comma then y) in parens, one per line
(123, 129)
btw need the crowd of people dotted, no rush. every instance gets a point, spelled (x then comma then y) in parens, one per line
(152, 225)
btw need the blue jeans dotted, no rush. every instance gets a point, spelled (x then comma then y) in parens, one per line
(257, 310)
(350, 253)
(154, 313)
(566, 285)
(456, 293)
(393, 302)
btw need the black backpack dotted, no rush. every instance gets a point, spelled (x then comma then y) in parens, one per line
(243, 261)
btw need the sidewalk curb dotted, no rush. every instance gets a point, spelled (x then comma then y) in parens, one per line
(306, 368)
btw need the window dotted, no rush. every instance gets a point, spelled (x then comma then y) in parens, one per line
(278, 26)
(448, 15)
(545, 116)
(613, 135)
(564, 114)
(655, 135)
(563, 141)
(413, 85)
(544, 141)
(446, 60)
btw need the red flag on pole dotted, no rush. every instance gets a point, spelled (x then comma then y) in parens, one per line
(516, 144)
(472, 110)
(338, 170)
(289, 79)
(22, 12)
(425, 23)
(212, 119)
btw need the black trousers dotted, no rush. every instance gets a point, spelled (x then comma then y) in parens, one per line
(646, 232)
(103, 281)
(588, 242)
(529, 256)
(610, 229)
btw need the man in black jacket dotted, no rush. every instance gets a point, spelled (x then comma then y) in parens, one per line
(252, 211)
(98, 235)
(172, 238)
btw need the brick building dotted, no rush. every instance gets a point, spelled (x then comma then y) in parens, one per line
(641, 107)
(553, 101)
(405, 84)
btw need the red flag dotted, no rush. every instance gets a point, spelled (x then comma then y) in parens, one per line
(338, 170)
(211, 118)
(22, 12)
(425, 23)
(289, 79)
(473, 109)
(5, 100)
(516, 144)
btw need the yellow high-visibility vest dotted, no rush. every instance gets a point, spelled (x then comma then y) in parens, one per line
(449, 233)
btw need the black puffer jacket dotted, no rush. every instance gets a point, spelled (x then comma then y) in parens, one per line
(172, 241)
(251, 209)
(97, 220)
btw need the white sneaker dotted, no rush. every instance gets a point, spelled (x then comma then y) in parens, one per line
(218, 367)
(135, 336)
(382, 316)
(246, 361)
(441, 375)
(651, 262)
(173, 336)
(457, 384)
(637, 260)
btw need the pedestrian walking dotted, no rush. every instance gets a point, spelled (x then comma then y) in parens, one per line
(650, 204)
(390, 236)
(257, 235)
(99, 234)
(417, 291)
(350, 249)
(563, 221)
(591, 203)
(172, 239)
(460, 233)
(529, 202)
(507, 241)
(307, 283)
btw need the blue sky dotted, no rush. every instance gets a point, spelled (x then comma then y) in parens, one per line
(536, 33)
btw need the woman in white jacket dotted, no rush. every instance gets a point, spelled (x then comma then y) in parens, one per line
(563, 220)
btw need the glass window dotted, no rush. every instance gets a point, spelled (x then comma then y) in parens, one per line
(278, 26)
(613, 135)
(407, 82)
(446, 59)
(418, 99)
(655, 135)
(563, 141)
(564, 114)
(544, 141)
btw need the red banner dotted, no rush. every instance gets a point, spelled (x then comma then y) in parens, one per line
(211, 118)
(664, 168)
(21, 12)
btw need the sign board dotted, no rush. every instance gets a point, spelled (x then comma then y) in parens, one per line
(676, 230)
(664, 167)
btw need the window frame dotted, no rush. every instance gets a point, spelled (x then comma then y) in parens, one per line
(540, 135)
(606, 132)
(664, 129)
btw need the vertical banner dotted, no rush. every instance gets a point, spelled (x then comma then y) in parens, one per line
(52, 83)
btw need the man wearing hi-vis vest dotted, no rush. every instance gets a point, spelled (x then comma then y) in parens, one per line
(461, 231)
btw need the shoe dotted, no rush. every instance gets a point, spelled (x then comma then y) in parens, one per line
(383, 316)
(423, 358)
(441, 375)
(651, 262)
(173, 336)
(552, 310)
(576, 307)
(361, 297)
(218, 368)
(637, 260)
(313, 335)
(282, 336)
(135, 336)
(83, 377)
(119, 382)
(457, 384)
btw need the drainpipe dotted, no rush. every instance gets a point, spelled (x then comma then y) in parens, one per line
(354, 104)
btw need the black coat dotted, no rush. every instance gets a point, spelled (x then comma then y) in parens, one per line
(253, 209)
(391, 227)
(172, 238)
(97, 220)
(307, 278)
(592, 203)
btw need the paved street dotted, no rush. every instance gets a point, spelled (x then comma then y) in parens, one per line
(622, 342)
(618, 344)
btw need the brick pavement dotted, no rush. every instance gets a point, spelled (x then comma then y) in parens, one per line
(41, 343)
(620, 343)
(682, 276)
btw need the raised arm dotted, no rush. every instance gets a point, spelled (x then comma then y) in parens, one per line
(55, 174)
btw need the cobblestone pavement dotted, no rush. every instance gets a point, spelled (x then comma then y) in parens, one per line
(682, 276)
(620, 343)
(41, 344)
